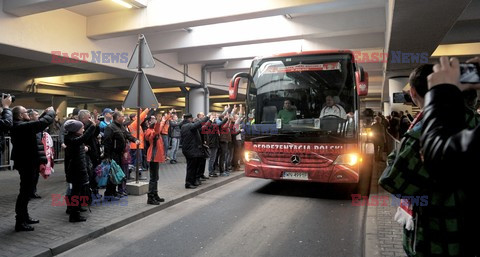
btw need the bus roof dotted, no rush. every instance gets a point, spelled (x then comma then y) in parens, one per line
(307, 53)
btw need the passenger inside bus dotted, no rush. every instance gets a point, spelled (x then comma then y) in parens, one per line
(288, 112)
(332, 109)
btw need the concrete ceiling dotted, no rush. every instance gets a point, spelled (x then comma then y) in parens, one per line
(185, 35)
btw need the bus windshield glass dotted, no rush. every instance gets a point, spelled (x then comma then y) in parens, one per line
(304, 93)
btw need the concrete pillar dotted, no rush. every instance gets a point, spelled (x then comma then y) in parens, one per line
(196, 101)
(386, 108)
(397, 85)
(60, 104)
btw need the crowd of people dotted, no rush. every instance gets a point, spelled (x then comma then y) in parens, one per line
(90, 138)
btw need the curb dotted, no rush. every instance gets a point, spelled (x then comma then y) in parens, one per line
(372, 246)
(66, 245)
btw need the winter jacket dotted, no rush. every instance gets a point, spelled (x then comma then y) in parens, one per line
(175, 129)
(93, 146)
(133, 130)
(191, 138)
(450, 152)
(407, 176)
(226, 132)
(165, 128)
(41, 149)
(213, 133)
(76, 169)
(24, 139)
(6, 122)
(155, 150)
(115, 141)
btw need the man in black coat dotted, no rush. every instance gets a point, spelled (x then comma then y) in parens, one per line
(93, 148)
(6, 121)
(451, 151)
(26, 158)
(115, 141)
(192, 147)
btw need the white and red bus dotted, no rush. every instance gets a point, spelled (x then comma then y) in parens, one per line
(293, 130)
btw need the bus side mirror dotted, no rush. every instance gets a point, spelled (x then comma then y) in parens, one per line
(234, 82)
(361, 77)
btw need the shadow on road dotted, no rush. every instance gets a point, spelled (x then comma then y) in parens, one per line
(309, 190)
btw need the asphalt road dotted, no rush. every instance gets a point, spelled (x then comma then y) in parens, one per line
(247, 217)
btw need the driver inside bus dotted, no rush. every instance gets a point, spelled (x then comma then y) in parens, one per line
(288, 112)
(332, 108)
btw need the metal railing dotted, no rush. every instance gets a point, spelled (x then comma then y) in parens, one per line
(5, 156)
(5, 160)
(392, 143)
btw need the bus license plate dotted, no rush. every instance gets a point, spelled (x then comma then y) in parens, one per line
(295, 175)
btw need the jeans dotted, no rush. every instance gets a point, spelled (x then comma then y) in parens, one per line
(153, 183)
(211, 161)
(175, 145)
(133, 154)
(166, 143)
(224, 157)
(237, 153)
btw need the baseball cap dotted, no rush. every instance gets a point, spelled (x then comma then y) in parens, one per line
(107, 110)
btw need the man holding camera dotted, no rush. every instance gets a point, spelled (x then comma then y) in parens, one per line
(450, 152)
(26, 159)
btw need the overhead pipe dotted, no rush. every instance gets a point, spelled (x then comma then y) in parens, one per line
(205, 69)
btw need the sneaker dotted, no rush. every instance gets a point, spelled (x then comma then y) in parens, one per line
(225, 174)
(204, 177)
(173, 161)
(188, 186)
(167, 158)
(213, 175)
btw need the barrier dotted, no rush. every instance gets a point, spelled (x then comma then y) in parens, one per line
(5, 161)
(57, 147)
(5, 156)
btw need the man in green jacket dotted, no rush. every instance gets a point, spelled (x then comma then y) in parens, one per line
(405, 174)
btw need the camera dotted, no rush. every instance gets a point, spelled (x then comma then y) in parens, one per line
(7, 95)
(469, 73)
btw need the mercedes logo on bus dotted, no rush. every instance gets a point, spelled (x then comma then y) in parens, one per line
(295, 159)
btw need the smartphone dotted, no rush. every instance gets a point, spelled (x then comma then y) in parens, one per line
(469, 73)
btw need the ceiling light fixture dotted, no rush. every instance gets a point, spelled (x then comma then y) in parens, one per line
(123, 3)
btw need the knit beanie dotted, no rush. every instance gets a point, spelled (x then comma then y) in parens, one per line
(73, 125)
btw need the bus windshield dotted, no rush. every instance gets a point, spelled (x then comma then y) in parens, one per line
(304, 93)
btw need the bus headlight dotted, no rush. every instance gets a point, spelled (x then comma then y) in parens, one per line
(350, 159)
(251, 156)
